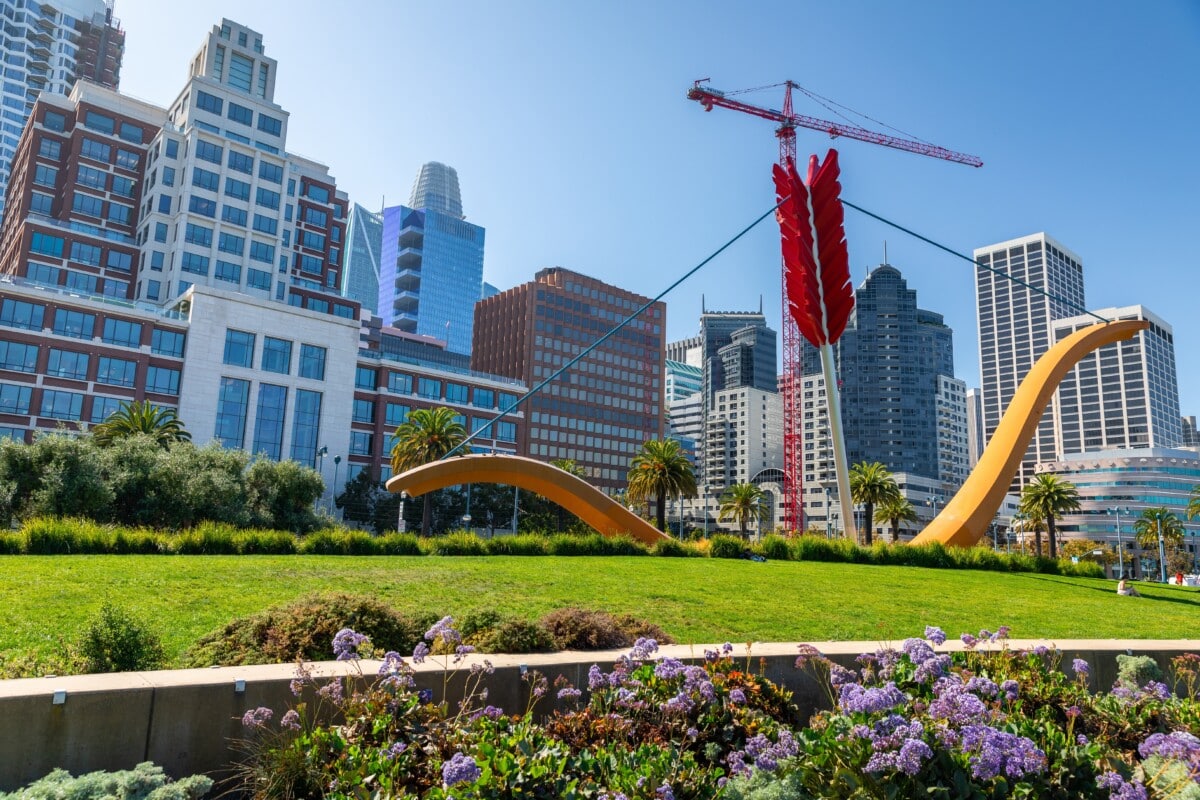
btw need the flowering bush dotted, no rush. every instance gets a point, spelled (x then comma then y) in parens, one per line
(907, 721)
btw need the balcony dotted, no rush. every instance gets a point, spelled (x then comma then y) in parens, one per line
(409, 258)
(408, 280)
(407, 303)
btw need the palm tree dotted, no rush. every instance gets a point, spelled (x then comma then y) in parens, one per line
(1047, 497)
(895, 510)
(158, 422)
(427, 435)
(1193, 506)
(658, 472)
(742, 503)
(1155, 524)
(871, 484)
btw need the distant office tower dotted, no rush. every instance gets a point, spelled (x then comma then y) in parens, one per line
(603, 410)
(429, 258)
(743, 437)
(974, 427)
(1016, 326)
(1190, 438)
(487, 290)
(901, 404)
(436, 188)
(683, 380)
(46, 47)
(364, 236)
(1124, 395)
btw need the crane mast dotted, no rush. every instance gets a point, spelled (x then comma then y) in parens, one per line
(792, 379)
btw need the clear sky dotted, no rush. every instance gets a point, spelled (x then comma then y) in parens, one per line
(576, 147)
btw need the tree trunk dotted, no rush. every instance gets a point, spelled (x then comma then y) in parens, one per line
(895, 531)
(1037, 541)
(662, 511)
(1050, 536)
(427, 514)
(868, 523)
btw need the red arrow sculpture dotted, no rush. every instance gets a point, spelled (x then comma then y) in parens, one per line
(819, 292)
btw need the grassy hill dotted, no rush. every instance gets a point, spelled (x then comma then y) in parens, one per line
(695, 600)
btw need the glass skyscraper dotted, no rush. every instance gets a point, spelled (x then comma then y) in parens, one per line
(360, 280)
(431, 262)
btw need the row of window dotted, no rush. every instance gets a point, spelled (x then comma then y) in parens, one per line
(431, 389)
(81, 325)
(52, 246)
(276, 355)
(233, 405)
(55, 403)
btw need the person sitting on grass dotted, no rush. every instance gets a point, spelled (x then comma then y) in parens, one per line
(1124, 589)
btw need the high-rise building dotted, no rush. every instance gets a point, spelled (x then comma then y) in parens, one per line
(901, 404)
(360, 279)
(603, 410)
(683, 380)
(743, 436)
(46, 48)
(1123, 395)
(1190, 437)
(1016, 326)
(429, 258)
(974, 427)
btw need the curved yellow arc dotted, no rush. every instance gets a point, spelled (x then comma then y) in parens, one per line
(966, 517)
(574, 494)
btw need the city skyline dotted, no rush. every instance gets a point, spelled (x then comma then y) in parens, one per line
(575, 118)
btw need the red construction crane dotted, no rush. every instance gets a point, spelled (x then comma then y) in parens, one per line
(790, 386)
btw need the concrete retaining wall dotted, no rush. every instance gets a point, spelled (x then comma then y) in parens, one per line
(189, 721)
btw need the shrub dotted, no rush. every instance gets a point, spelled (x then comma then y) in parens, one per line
(580, 629)
(305, 629)
(524, 544)
(673, 548)
(116, 641)
(459, 543)
(207, 539)
(398, 544)
(263, 542)
(331, 542)
(1134, 672)
(11, 544)
(514, 636)
(52, 536)
(775, 547)
(143, 782)
(725, 546)
(135, 542)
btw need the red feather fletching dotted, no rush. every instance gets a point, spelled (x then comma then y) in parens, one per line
(813, 239)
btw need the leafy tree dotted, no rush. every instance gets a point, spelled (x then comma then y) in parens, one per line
(1193, 506)
(895, 510)
(142, 417)
(871, 484)
(660, 471)
(1155, 523)
(364, 501)
(568, 466)
(281, 495)
(1086, 548)
(427, 435)
(68, 479)
(1047, 497)
(743, 504)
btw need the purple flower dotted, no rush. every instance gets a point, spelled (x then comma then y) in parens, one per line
(692, 733)
(345, 644)
(807, 653)
(1040, 650)
(420, 652)
(909, 759)
(332, 691)
(668, 668)
(839, 675)
(1073, 712)
(425, 695)
(393, 751)
(460, 769)
(569, 693)
(290, 720)
(994, 753)
(737, 697)
(935, 634)
(969, 641)
(767, 754)
(1081, 668)
(1001, 633)
(1156, 690)
(982, 686)
(1177, 745)
(856, 699)
(393, 663)
(596, 678)
(462, 651)
(726, 648)
(1011, 690)
(443, 628)
(257, 717)
(1118, 789)
(955, 704)
(1081, 740)
(491, 712)
(664, 792)
(681, 703)
(643, 649)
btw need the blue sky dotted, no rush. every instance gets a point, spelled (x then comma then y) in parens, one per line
(576, 147)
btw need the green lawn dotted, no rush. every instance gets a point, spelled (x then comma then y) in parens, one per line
(695, 600)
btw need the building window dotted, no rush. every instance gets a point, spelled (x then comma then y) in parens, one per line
(131, 133)
(277, 355)
(160, 232)
(257, 279)
(316, 217)
(484, 398)
(116, 371)
(306, 427)
(313, 241)
(270, 125)
(507, 400)
(429, 388)
(162, 380)
(360, 443)
(81, 282)
(233, 215)
(14, 399)
(312, 362)
(207, 151)
(240, 114)
(201, 206)
(198, 234)
(238, 190)
(240, 71)
(127, 159)
(205, 179)
(232, 402)
(239, 348)
(270, 172)
(40, 273)
(104, 407)
(67, 364)
(49, 148)
(456, 392)
(97, 151)
(241, 162)
(19, 314)
(364, 410)
(318, 193)
(268, 426)
(75, 324)
(172, 148)
(396, 414)
(45, 176)
(98, 122)
(87, 205)
(54, 121)
(119, 261)
(228, 271)
(18, 357)
(364, 378)
(261, 251)
(41, 204)
(123, 333)
(400, 383)
(153, 289)
(168, 343)
(506, 431)
(267, 198)
(61, 405)
(266, 224)
(46, 245)
(88, 254)
(194, 263)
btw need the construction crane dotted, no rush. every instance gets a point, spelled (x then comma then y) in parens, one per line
(708, 97)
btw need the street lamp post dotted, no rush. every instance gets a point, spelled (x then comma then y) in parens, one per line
(400, 523)
(1162, 555)
(466, 518)
(337, 460)
(322, 451)
(1118, 511)
(704, 490)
